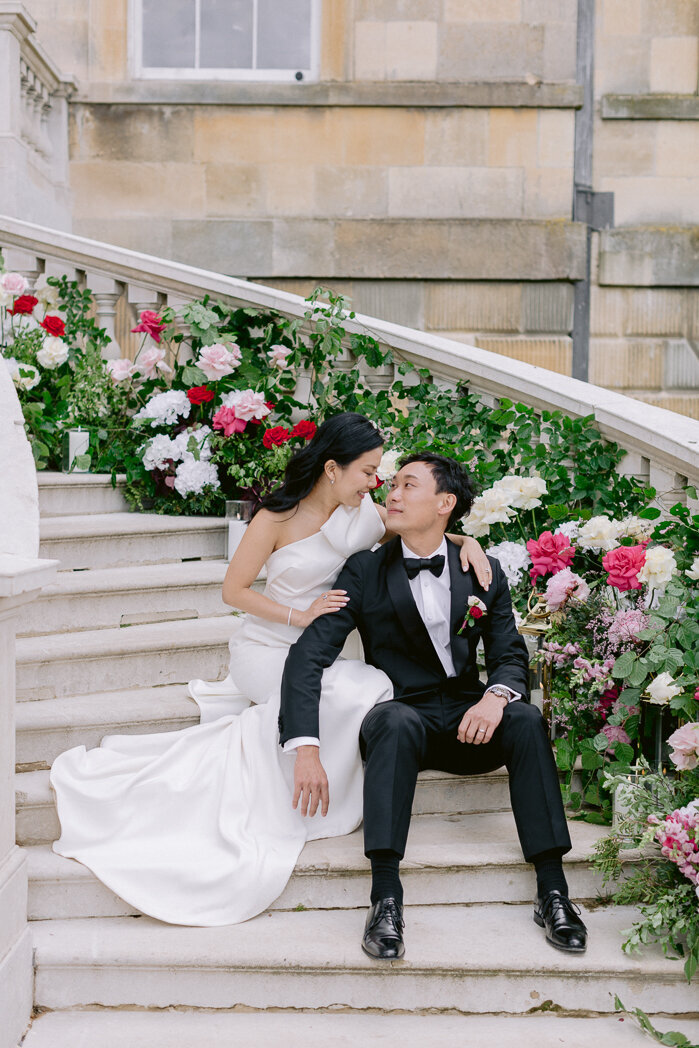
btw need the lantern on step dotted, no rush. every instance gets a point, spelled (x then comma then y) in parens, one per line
(76, 450)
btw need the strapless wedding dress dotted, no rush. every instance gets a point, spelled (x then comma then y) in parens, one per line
(196, 826)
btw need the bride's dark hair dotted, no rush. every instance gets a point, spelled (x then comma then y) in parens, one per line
(342, 438)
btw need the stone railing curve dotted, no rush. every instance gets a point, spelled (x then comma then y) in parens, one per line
(662, 448)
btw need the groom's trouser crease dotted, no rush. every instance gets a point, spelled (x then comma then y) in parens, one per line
(399, 740)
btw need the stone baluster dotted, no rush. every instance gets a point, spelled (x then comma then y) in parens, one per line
(106, 292)
(140, 298)
(668, 485)
(18, 260)
(184, 353)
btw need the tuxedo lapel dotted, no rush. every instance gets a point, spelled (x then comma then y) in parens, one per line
(406, 609)
(461, 585)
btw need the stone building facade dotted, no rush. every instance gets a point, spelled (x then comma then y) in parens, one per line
(425, 164)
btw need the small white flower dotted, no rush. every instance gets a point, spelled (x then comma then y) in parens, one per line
(46, 293)
(165, 408)
(569, 528)
(693, 572)
(659, 567)
(599, 533)
(662, 689)
(53, 353)
(636, 528)
(24, 376)
(514, 559)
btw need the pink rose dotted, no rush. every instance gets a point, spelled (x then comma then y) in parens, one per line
(685, 746)
(150, 361)
(278, 356)
(150, 323)
(218, 360)
(248, 405)
(227, 420)
(13, 283)
(623, 565)
(120, 369)
(549, 553)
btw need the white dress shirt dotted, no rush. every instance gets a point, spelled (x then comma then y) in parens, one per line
(432, 595)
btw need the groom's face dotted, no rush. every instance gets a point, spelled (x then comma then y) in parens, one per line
(413, 502)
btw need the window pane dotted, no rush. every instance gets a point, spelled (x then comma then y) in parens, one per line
(284, 34)
(226, 34)
(168, 33)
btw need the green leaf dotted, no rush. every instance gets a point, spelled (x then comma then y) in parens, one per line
(623, 665)
(600, 742)
(81, 462)
(638, 673)
(651, 513)
(623, 752)
(193, 376)
(591, 760)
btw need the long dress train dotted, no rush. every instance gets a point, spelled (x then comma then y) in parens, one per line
(196, 826)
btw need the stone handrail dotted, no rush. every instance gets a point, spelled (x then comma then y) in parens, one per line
(662, 447)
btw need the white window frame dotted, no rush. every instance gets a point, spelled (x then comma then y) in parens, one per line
(142, 72)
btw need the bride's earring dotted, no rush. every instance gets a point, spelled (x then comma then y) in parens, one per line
(332, 480)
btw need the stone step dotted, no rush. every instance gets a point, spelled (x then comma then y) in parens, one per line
(72, 493)
(110, 540)
(47, 728)
(468, 959)
(62, 664)
(450, 858)
(192, 1029)
(113, 597)
(438, 793)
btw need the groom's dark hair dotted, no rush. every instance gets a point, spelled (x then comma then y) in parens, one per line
(450, 477)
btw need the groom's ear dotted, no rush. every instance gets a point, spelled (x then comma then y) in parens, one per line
(446, 504)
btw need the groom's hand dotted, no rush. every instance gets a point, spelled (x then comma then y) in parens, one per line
(480, 720)
(310, 782)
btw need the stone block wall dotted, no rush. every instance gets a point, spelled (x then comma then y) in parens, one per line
(430, 171)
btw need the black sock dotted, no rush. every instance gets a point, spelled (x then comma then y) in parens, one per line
(549, 872)
(385, 879)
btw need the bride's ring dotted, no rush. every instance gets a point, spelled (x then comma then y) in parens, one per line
(325, 596)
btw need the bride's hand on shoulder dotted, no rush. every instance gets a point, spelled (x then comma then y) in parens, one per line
(472, 556)
(328, 602)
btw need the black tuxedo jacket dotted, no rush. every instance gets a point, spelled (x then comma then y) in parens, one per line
(396, 640)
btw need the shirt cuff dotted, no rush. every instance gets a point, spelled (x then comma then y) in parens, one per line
(513, 696)
(293, 744)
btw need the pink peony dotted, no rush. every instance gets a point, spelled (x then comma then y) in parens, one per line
(685, 747)
(549, 553)
(13, 283)
(248, 405)
(615, 733)
(227, 420)
(623, 565)
(120, 369)
(151, 361)
(218, 360)
(564, 585)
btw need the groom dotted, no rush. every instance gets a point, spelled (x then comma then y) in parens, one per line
(410, 602)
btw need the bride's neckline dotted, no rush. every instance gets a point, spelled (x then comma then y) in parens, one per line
(297, 542)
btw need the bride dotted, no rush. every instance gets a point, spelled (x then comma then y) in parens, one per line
(197, 826)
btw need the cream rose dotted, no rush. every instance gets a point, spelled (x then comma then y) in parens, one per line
(659, 567)
(53, 353)
(662, 689)
(388, 466)
(599, 533)
(489, 508)
(693, 572)
(521, 492)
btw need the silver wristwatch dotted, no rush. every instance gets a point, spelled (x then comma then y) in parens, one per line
(502, 691)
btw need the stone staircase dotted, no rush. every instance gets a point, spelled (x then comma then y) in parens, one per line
(135, 613)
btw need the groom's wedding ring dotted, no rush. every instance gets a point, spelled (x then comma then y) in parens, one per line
(481, 731)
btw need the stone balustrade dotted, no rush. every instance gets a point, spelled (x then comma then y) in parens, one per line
(34, 98)
(662, 447)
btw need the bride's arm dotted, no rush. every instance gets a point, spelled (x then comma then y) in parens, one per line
(471, 553)
(257, 544)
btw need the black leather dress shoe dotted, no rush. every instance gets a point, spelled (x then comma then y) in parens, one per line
(383, 932)
(561, 919)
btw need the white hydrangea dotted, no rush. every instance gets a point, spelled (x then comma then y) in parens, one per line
(599, 533)
(521, 492)
(569, 528)
(201, 435)
(165, 408)
(659, 567)
(636, 528)
(53, 353)
(514, 559)
(158, 451)
(191, 477)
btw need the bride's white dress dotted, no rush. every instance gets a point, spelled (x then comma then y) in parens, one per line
(196, 826)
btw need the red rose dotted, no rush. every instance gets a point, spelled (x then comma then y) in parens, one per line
(150, 323)
(550, 553)
(54, 326)
(200, 395)
(305, 428)
(476, 612)
(24, 304)
(378, 484)
(275, 436)
(623, 565)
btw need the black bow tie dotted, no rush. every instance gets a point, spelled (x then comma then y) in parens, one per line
(414, 565)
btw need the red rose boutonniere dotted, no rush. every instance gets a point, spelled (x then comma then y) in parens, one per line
(475, 610)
